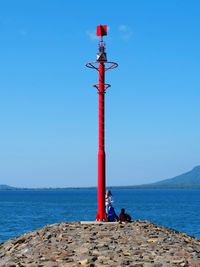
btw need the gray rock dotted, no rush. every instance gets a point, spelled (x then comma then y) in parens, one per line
(73, 244)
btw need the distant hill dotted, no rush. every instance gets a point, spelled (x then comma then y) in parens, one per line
(189, 179)
(6, 187)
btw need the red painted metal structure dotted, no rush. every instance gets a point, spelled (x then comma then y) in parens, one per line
(101, 65)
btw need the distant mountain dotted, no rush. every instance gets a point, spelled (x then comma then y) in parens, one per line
(189, 179)
(6, 187)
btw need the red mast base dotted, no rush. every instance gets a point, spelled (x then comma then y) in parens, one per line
(100, 218)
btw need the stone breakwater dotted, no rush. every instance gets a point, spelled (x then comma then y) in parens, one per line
(74, 244)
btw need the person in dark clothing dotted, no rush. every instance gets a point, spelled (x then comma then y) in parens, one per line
(124, 217)
(112, 216)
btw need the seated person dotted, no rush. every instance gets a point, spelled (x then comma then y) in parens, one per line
(112, 216)
(124, 217)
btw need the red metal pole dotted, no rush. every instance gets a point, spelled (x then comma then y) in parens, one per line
(101, 149)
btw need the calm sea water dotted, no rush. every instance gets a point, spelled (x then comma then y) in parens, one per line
(24, 211)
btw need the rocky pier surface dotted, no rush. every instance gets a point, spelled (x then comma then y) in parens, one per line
(138, 244)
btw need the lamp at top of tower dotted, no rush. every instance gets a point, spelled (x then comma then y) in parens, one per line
(101, 30)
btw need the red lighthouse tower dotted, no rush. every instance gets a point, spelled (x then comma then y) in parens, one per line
(101, 65)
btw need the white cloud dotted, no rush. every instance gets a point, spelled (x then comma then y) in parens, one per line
(22, 32)
(92, 35)
(123, 28)
(126, 32)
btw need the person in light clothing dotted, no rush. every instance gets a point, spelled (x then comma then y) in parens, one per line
(109, 200)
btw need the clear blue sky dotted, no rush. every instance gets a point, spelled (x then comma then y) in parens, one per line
(48, 107)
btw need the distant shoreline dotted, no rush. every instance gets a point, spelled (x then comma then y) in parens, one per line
(188, 180)
(110, 187)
